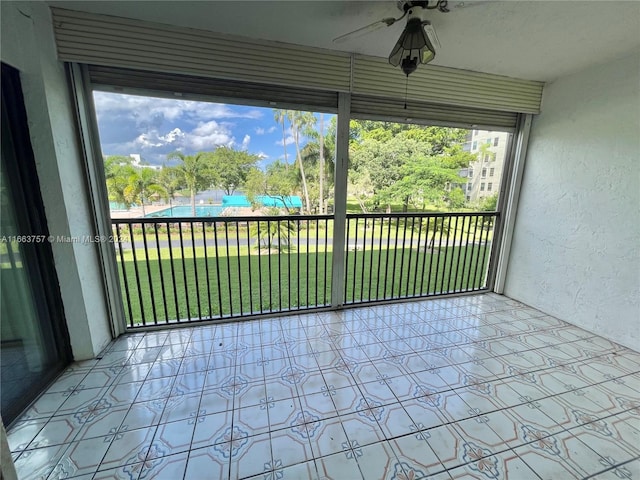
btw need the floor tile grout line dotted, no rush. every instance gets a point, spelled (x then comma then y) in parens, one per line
(197, 411)
(456, 389)
(613, 467)
(266, 396)
(296, 398)
(69, 444)
(502, 355)
(601, 382)
(117, 431)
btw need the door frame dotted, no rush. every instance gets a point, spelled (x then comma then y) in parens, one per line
(32, 221)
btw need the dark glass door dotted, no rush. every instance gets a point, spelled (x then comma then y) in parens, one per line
(34, 344)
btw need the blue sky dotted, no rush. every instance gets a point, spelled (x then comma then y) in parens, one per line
(154, 127)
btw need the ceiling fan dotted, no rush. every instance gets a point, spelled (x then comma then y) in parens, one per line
(416, 43)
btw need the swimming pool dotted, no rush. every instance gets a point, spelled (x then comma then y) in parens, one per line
(185, 211)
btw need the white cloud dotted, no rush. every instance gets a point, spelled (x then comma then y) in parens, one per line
(288, 140)
(145, 110)
(262, 131)
(174, 135)
(208, 135)
(155, 127)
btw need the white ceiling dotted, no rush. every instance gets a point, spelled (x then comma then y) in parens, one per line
(534, 40)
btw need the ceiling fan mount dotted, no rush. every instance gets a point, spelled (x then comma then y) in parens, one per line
(440, 5)
(417, 39)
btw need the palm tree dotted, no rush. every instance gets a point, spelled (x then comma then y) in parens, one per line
(321, 167)
(299, 122)
(169, 179)
(117, 170)
(274, 233)
(316, 158)
(280, 116)
(195, 173)
(142, 186)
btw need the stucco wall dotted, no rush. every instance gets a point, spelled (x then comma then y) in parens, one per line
(576, 246)
(28, 45)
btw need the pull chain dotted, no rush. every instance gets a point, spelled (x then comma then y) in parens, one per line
(406, 89)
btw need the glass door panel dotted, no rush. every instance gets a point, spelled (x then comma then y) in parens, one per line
(33, 349)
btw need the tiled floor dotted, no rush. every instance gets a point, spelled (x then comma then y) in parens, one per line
(470, 387)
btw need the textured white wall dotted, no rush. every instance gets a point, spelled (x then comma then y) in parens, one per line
(28, 45)
(576, 246)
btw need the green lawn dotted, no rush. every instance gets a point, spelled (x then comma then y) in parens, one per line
(244, 281)
(458, 227)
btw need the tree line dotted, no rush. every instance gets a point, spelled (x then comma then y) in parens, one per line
(224, 168)
(390, 164)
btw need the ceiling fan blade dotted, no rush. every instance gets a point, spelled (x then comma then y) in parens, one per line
(372, 27)
(433, 36)
(470, 3)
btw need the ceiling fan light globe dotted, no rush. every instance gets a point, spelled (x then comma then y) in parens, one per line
(409, 65)
(427, 56)
(413, 46)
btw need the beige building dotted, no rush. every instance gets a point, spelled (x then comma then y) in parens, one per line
(484, 175)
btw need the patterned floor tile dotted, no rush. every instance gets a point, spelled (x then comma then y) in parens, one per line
(212, 429)
(531, 414)
(290, 447)
(278, 389)
(101, 422)
(393, 419)
(339, 466)
(174, 437)
(380, 461)
(479, 431)
(379, 391)
(326, 436)
(67, 382)
(214, 401)
(446, 443)
(22, 433)
(155, 388)
(305, 470)
(188, 383)
(251, 456)
(122, 393)
(254, 420)
(415, 454)
(470, 387)
(320, 403)
(214, 460)
(144, 414)
(180, 407)
(133, 373)
(620, 471)
(38, 463)
(502, 466)
(128, 448)
(335, 378)
(362, 428)
(347, 400)
(81, 458)
(126, 472)
(545, 459)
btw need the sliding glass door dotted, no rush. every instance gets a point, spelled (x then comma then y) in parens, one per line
(34, 343)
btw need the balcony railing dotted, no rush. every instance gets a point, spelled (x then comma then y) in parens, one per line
(395, 256)
(178, 270)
